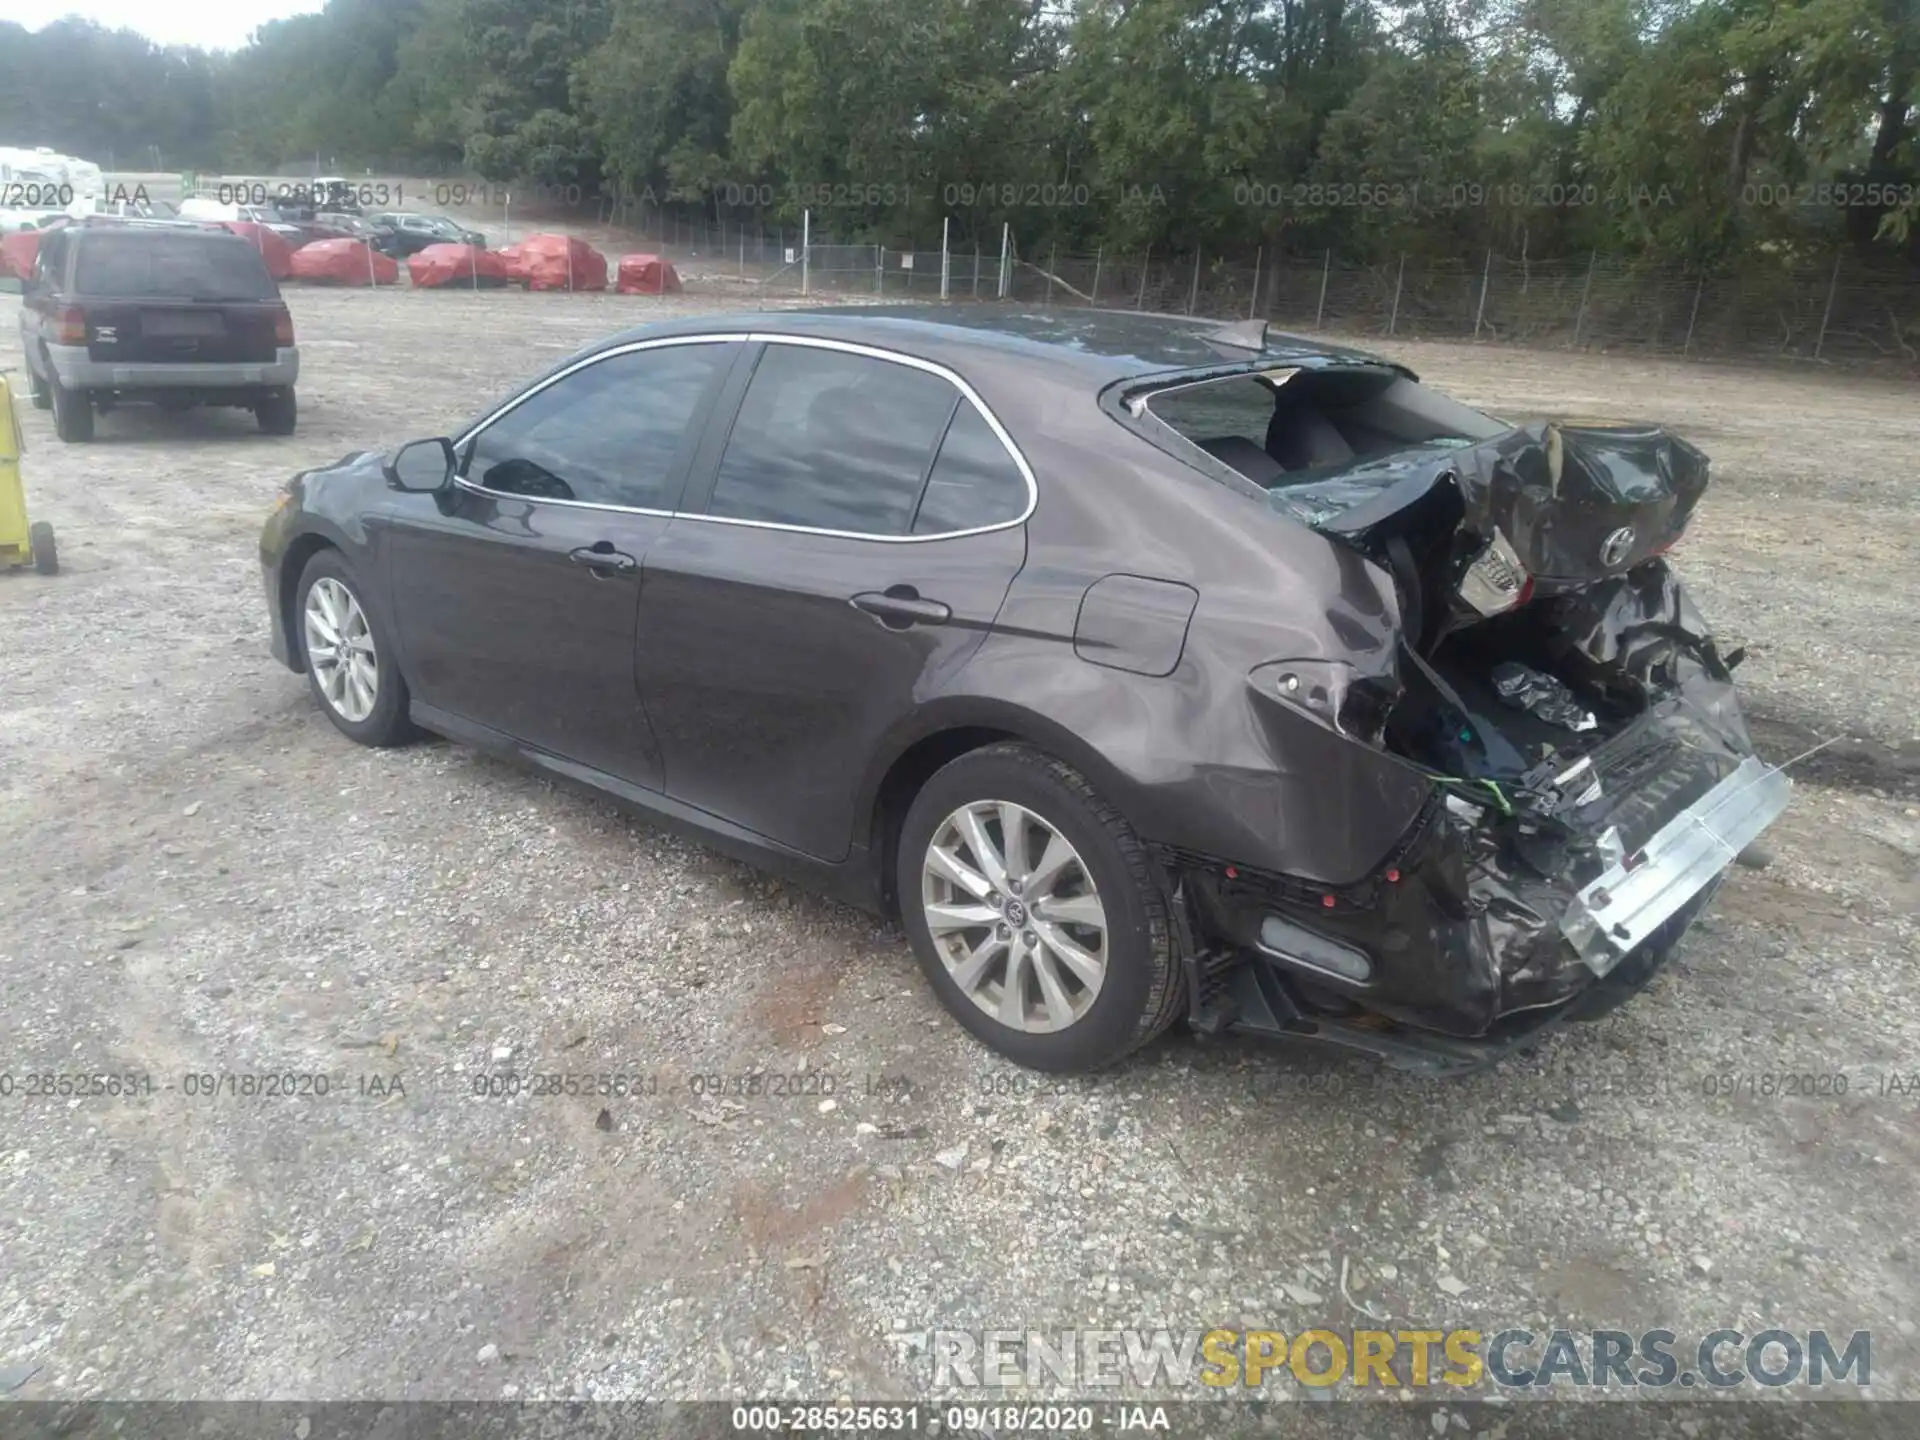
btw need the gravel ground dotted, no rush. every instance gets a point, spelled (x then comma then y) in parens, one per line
(199, 876)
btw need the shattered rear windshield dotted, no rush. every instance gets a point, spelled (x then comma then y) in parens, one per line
(1320, 442)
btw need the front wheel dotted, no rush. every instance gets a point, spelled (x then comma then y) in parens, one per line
(1036, 912)
(350, 666)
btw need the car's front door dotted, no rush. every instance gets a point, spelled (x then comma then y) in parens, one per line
(844, 546)
(516, 590)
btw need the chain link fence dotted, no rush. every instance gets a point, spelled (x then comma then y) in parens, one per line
(1834, 308)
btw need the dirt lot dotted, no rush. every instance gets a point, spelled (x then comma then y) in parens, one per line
(199, 875)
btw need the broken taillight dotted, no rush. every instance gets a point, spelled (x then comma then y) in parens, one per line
(1495, 580)
(69, 325)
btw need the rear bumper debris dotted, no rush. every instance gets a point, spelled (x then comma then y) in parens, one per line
(1616, 913)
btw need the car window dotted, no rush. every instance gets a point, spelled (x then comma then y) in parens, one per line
(1242, 407)
(48, 258)
(832, 441)
(607, 434)
(148, 265)
(974, 483)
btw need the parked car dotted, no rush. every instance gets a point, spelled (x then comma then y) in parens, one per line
(13, 221)
(1145, 670)
(413, 233)
(219, 213)
(172, 313)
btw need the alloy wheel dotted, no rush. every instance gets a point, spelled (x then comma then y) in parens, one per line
(340, 650)
(1015, 916)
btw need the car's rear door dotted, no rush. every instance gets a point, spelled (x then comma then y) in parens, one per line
(845, 544)
(515, 593)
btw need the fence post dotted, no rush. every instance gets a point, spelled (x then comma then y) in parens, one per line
(1193, 295)
(1093, 298)
(1253, 295)
(945, 261)
(1585, 290)
(1486, 274)
(1053, 264)
(879, 270)
(1687, 345)
(1326, 267)
(1826, 315)
(1140, 301)
(1393, 320)
(1006, 241)
(976, 269)
(806, 250)
(743, 251)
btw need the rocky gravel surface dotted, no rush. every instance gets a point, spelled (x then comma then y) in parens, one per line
(799, 1167)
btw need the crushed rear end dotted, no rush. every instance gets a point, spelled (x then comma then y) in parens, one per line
(1591, 776)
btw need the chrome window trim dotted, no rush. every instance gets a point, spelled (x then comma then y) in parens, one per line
(817, 343)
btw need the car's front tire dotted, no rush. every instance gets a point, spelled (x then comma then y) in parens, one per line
(72, 412)
(1036, 912)
(350, 663)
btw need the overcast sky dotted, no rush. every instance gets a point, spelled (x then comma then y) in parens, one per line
(216, 24)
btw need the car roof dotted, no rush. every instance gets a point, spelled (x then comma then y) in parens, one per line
(1102, 345)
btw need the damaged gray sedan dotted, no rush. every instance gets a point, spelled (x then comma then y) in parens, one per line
(1146, 670)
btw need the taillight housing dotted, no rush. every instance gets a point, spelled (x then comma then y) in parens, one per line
(283, 326)
(69, 325)
(1333, 692)
(1495, 581)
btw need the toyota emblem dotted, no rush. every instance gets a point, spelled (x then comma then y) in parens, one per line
(1614, 548)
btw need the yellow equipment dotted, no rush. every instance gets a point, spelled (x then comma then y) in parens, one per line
(20, 542)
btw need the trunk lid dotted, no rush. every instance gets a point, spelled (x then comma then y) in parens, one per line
(1574, 503)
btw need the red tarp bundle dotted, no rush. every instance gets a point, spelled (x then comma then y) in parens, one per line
(343, 262)
(18, 251)
(646, 275)
(557, 262)
(453, 265)
(276, 252)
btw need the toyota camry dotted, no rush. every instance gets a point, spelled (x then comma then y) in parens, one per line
(1146, 669)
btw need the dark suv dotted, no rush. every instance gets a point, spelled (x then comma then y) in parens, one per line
(169, 313)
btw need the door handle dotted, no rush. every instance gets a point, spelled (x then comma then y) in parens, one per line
(602, 559)
(899, 607)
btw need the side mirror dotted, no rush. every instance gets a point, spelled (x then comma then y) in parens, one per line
(421, 466)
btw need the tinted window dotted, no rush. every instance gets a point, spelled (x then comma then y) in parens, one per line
(832, 440)
(974, 482)
(607, 434)
(151, 265)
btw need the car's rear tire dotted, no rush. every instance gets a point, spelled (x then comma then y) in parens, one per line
(1099, 974)
(37, 388)
(350, 663)
(72, 413)
(278, 414)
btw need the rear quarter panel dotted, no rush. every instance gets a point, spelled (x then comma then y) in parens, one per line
(1193, 757)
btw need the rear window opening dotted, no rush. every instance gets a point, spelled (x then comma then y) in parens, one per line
(153, 266)
(1287, 427)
